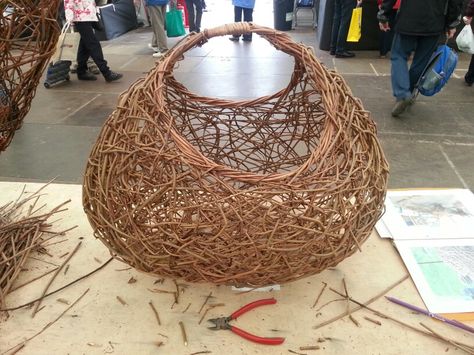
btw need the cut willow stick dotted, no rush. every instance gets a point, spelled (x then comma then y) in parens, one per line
(467, 349)
(373, 299)
(183, 333)
(35, 309)
(373, 320)
(23, 343)
(33, 280)
(208, 309)
(312, 347)
(329, 302)
(21, 232)
(58, 289)
(206, 300)
(319, 295)
(177, 292)
(155, 312)
(187, 307)
(386, 316)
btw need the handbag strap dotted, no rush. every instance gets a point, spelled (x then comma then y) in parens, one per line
(64, 30)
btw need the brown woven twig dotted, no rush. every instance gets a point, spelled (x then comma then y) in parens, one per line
(28, 35)
(250, 192)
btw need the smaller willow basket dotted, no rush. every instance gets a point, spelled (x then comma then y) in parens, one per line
(250, 192)
(28, 35)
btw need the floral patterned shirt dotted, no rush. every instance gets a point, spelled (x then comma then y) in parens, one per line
(80, 10)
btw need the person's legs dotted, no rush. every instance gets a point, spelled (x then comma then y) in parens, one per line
(469, 77)
(238, 13)
(157, 16)
(248, 17)
(89, 46)
(154, 21)
(346, 13)
(190, 8)
(335, 25)
(425, 47)
(141, 13)
(402, 47)
(197, 21)
(237, 18)
(82, 57)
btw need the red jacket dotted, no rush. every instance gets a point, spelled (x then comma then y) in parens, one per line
(470, 9)
(395, 7)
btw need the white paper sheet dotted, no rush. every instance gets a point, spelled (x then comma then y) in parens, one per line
(432, 214)
(443, 272)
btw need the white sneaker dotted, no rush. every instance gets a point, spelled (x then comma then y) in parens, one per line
(159, 54)
(153, 48)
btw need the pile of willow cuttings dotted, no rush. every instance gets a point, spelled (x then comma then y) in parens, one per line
(25, 227)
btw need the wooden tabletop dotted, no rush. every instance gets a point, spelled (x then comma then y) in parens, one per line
(115, 316)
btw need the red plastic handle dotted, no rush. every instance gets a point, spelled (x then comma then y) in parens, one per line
(251, 306)
(255, 338)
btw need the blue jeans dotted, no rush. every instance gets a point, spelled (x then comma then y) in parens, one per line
(404, 80)
(340, 25)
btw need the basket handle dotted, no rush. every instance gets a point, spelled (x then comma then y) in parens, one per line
(273, 36)
(229, 29)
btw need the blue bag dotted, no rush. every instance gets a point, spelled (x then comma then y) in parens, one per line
(304, 3)
(438, 71)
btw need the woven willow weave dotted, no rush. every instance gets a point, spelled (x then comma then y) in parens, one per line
(28, 35)
(251, 192)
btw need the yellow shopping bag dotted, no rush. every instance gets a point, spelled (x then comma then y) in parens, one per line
(355, 28)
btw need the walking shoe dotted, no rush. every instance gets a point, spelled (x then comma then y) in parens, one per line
(401, 106)
(234, 38)
(159, 54)
(156, 49)
(345, 54)
(88, 76)
(94, 69)
(332, 52)
(113, 76)
(246, 39)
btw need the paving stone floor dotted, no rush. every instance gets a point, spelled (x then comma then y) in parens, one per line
(432, 145)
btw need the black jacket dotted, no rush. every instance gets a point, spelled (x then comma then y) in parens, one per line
(423, 17)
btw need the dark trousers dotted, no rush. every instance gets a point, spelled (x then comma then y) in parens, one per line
(340, 26)
(194, 15)
(470, 72)
(248, 17)
(404, 80)
(89, 46)
(386, 38)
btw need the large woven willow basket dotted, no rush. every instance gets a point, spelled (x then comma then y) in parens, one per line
(249, 192)
(28, 36)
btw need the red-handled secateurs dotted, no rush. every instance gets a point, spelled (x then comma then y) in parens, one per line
(223, 323)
